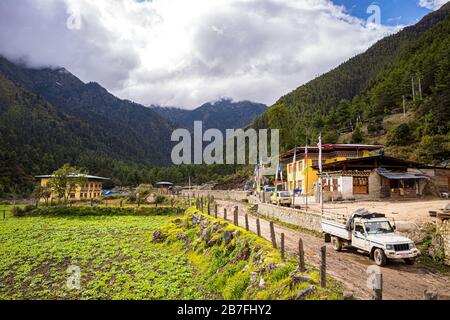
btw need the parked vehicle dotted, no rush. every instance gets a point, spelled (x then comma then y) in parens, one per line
(269, 189)
(281, 198)
(372, 233)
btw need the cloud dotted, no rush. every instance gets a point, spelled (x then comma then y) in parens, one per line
(432, 4)
(184, 53)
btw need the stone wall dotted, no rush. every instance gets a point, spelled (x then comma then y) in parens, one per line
(443, 229)
(217, 194)
(310, 221)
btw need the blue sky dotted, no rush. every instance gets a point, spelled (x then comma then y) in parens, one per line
(393, 12)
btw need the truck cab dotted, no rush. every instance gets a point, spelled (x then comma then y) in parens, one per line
(373, 234)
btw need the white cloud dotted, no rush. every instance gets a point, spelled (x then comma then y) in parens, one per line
(184, 53)
(432, 4)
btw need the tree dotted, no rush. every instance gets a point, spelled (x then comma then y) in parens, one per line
(65, 180)
(358, 136)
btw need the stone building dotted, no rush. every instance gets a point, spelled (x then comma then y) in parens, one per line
(443, 230)
(380, 177)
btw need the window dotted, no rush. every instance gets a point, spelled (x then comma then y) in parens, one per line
(360, 185)
(72, 196)
(359, 229)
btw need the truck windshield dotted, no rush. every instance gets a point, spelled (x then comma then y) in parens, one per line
(379, 227)
(284, 195)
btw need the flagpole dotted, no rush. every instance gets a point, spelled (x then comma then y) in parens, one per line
(307, 176)
(295, 175)
(320, 175)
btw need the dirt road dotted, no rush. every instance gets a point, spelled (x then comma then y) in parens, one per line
(400, 281)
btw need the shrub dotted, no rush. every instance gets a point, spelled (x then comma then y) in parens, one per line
(94, 211)
(21, 212)
(400, 135)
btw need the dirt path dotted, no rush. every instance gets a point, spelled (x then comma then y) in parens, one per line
(400, 282)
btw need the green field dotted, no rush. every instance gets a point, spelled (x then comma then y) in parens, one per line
(116, 258)
(115, 255)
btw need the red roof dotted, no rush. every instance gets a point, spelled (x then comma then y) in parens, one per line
(330, 148)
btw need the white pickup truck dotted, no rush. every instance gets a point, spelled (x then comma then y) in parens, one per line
(372, 233)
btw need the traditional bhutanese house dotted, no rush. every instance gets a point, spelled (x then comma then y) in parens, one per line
(303, 174)
(91, 189)
(378, 177)
(164, 187)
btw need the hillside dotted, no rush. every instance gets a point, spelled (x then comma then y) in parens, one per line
(131, 131)
(359, 94)
(48, 117)
(223, 114)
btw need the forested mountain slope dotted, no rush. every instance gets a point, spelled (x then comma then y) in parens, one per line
(360, 94)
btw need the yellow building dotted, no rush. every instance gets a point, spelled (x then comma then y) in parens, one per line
(303, 174)
(90, 190)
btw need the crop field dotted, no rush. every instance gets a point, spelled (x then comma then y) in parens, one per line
(151, 254)
(115, 257)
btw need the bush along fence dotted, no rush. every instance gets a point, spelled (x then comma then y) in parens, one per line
(32, 211)
(250, 267)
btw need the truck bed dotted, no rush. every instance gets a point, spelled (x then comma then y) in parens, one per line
(336, 229)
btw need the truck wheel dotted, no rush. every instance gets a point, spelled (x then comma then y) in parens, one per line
(410, 261)
(379, 257)
(337, 244)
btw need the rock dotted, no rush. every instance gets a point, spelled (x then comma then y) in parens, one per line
(348, 295)
(236, 234)
(253, 278)
(246, 268)
(205, 235)
(430, 295)
(306, 292)
(262, 283)
(244, 255)
(158, 236)
(301, 279)
(215, 228)
(227, 237)
(182, 236)
(272, 266)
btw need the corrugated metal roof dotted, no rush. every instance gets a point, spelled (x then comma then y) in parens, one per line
(74, 176)
(401, 176)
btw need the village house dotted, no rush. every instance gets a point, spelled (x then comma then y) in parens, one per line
(165, 188)
(381, 177)
(91, 189)
(303, 175)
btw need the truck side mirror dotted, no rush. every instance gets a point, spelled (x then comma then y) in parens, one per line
(394, 227)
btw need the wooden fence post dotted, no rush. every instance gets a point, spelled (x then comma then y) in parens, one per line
(273, 235)
(247, 225)
(378, 287)
(236, 216)
(323, 267)
(216, 211)
(301, 256)
(282, 247)
(4, 214)
(209, 208)
(258, 227)
(225, 214)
